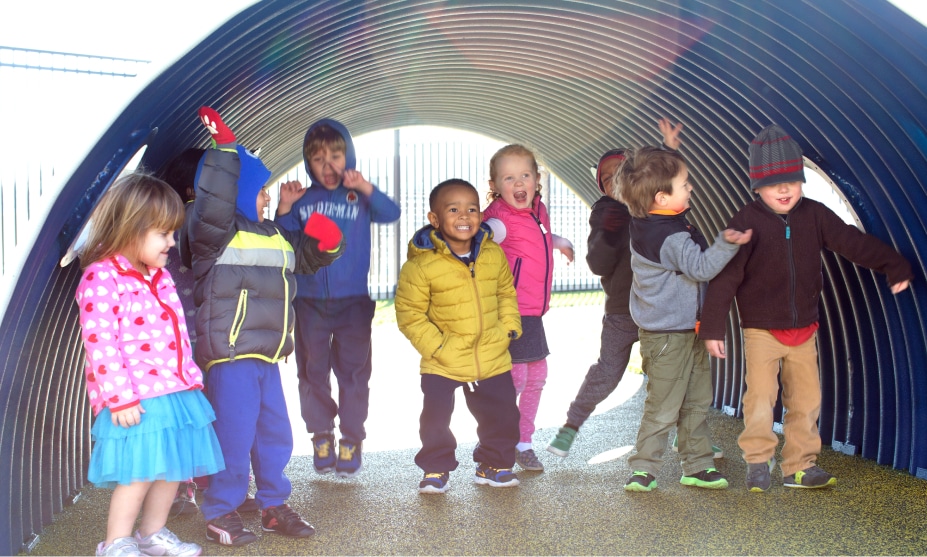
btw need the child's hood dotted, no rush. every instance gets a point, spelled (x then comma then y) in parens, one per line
(426, 239)
(252, 177)
(350, 158)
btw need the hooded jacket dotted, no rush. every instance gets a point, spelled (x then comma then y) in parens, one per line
(243, 268)
(609, 253)
(777, 275)
(134, 332)
(353, 212)
(458, 316)
(529, 249)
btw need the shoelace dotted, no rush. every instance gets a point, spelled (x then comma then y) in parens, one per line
(233, 520)
(285, 515)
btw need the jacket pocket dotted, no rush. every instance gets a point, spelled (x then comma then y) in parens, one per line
(516, 272)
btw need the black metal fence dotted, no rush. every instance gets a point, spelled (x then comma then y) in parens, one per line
(407, 168)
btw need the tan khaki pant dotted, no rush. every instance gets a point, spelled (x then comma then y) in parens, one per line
(801, 398)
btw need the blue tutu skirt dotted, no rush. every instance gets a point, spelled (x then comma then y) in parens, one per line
(174, 442)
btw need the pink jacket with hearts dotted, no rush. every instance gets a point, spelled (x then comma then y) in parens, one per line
(134, 334)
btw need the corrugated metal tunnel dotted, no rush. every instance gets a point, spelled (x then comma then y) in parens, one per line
(847, 78)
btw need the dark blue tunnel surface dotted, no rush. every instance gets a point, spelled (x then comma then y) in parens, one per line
(847, 78)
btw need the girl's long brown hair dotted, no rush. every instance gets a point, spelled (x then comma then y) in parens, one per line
(133, 205)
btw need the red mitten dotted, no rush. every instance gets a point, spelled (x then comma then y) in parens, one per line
(221, 133)
(324, 230)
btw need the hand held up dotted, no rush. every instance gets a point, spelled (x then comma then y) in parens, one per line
(221, 133)
(324, 230)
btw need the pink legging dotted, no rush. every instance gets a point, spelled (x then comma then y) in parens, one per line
(529, 379)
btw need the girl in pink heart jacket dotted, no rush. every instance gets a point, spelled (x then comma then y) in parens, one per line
(153, 426)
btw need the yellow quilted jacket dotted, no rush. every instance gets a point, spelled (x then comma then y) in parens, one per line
(460, 318)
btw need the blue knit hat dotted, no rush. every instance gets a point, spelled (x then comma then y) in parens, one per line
(251, 179)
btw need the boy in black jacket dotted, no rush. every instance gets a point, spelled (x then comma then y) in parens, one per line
(244, 267)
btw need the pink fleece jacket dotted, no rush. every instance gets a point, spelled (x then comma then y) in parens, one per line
(134, 334)
(529, 248)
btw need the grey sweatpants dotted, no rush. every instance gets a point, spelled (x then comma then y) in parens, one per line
(619, 333)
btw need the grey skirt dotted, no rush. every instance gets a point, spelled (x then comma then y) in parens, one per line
(532, 344)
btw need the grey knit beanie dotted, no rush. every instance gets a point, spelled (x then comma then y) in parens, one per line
(775, 158)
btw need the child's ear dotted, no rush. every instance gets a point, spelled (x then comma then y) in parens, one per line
(432, 219)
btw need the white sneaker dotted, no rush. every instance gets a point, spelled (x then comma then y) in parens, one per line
(165, 542)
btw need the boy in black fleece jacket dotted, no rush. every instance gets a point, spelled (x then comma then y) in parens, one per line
(777, 281)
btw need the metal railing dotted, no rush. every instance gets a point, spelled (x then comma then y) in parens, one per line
(409, 171)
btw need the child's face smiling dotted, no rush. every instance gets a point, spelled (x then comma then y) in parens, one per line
(327, 167)
(678, 201)
(516, 181)
(456, 216)
(152, 250)
(263, 200)
(782, 197)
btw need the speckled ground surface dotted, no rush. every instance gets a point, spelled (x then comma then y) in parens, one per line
(575, 507)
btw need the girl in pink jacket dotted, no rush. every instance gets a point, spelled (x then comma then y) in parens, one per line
(153, 426)
(521, 226)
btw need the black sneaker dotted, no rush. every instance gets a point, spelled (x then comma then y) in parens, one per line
(810, 478)
(284, 520)
(709, 478)
(249, 506)
(641, 481)
(229, 530)
(185, 500)
(434, 482)
(495, 477)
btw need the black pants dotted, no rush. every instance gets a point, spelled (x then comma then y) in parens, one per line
(492, 403)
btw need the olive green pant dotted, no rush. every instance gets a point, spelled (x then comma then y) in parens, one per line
(679, 394)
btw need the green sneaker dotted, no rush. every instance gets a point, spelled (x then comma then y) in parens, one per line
(709, 479)
(561, 443)
(719, 453)
(810, 478)
(641, 481)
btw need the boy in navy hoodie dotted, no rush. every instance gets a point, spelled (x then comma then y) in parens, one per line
(334, 311)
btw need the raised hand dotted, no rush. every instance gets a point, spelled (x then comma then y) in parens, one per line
(324, 230)
(221, 133)
(354, 180)
(290, 193)
(670, 133)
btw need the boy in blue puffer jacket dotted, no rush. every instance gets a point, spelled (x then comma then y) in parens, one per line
(334, 311)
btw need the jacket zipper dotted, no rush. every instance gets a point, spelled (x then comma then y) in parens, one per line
(547, 275)
(238, 321)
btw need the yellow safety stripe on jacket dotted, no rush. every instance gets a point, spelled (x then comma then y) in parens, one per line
(257, 250)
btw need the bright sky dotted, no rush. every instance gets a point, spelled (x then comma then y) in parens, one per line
(157, 30)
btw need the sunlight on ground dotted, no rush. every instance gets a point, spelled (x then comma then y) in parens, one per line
(613, 454)
(573, 334)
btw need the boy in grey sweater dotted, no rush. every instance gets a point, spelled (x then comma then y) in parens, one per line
(672, 264)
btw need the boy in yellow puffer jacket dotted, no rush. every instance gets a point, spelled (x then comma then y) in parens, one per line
(456, 303)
